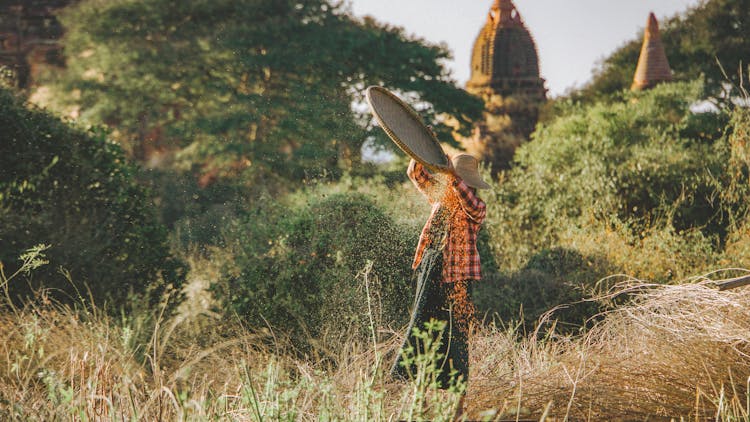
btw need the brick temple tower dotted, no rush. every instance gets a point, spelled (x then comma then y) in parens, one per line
(29, 38)
(505, 73)
(653, 66)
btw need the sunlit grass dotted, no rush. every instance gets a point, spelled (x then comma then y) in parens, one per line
(59, 362)
(678, 351)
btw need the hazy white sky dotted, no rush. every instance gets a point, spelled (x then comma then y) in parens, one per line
(571, 35)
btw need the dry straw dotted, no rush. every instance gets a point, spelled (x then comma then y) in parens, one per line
(674, 351)
(677, 352)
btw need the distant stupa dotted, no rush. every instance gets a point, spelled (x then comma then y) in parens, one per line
(504, 60)
(505, 74)
(653, 66)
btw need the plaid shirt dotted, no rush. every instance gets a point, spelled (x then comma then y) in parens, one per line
(474, 211)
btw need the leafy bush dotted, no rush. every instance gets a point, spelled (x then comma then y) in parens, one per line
(73, 190)
(626, 166)
(646, 187)
(302, 269)
(552, 277)
(627, 160)
(199, 216)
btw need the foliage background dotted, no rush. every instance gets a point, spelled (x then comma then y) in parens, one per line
(216, 151)
(228, 135)
(74, 190)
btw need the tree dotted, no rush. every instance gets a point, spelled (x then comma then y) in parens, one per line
(74, 191)
(266, 85)
(713, 32)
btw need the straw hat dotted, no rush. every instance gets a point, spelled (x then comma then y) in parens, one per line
(467, 167)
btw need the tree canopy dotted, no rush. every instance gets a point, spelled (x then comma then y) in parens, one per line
(713, 32)
(74, 191)
(234, 85)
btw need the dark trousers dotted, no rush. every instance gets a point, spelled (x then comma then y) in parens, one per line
(432, 302)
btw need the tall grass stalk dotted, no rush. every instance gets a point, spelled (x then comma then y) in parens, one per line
(63, 362)
(666, 352)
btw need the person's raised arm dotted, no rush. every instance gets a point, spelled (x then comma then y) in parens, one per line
(420, 176)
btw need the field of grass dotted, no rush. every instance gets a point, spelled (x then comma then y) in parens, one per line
(666, 352)
(219, 249)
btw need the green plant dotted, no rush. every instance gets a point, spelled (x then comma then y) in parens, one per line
(73, 190)
(637, 168)
(425, 358)
(298, 268)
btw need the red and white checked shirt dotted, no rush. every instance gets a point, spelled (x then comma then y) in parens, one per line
(455, 266)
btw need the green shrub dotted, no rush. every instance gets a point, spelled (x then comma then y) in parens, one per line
(301, 268)
(645, 186)
(631, 164)
(197, 216)
(74, 190)
(628, 160)
(551, 278)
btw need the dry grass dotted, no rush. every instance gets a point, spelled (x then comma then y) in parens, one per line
(677, 351)
(64, 363)
(61, 363)
(664, 352)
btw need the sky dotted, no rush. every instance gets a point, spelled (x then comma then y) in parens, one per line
(571, 35)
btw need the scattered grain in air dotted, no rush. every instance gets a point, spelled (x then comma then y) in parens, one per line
(462, 307)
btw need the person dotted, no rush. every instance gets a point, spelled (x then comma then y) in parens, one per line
(446, 264)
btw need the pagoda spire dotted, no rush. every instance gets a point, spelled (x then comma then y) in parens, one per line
(504, 13)
(505, 74)
(503, 5)
(653, 66)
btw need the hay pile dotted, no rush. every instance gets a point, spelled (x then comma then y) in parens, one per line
(673, 351)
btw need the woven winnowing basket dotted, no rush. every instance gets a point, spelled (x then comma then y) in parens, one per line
(404, 126)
